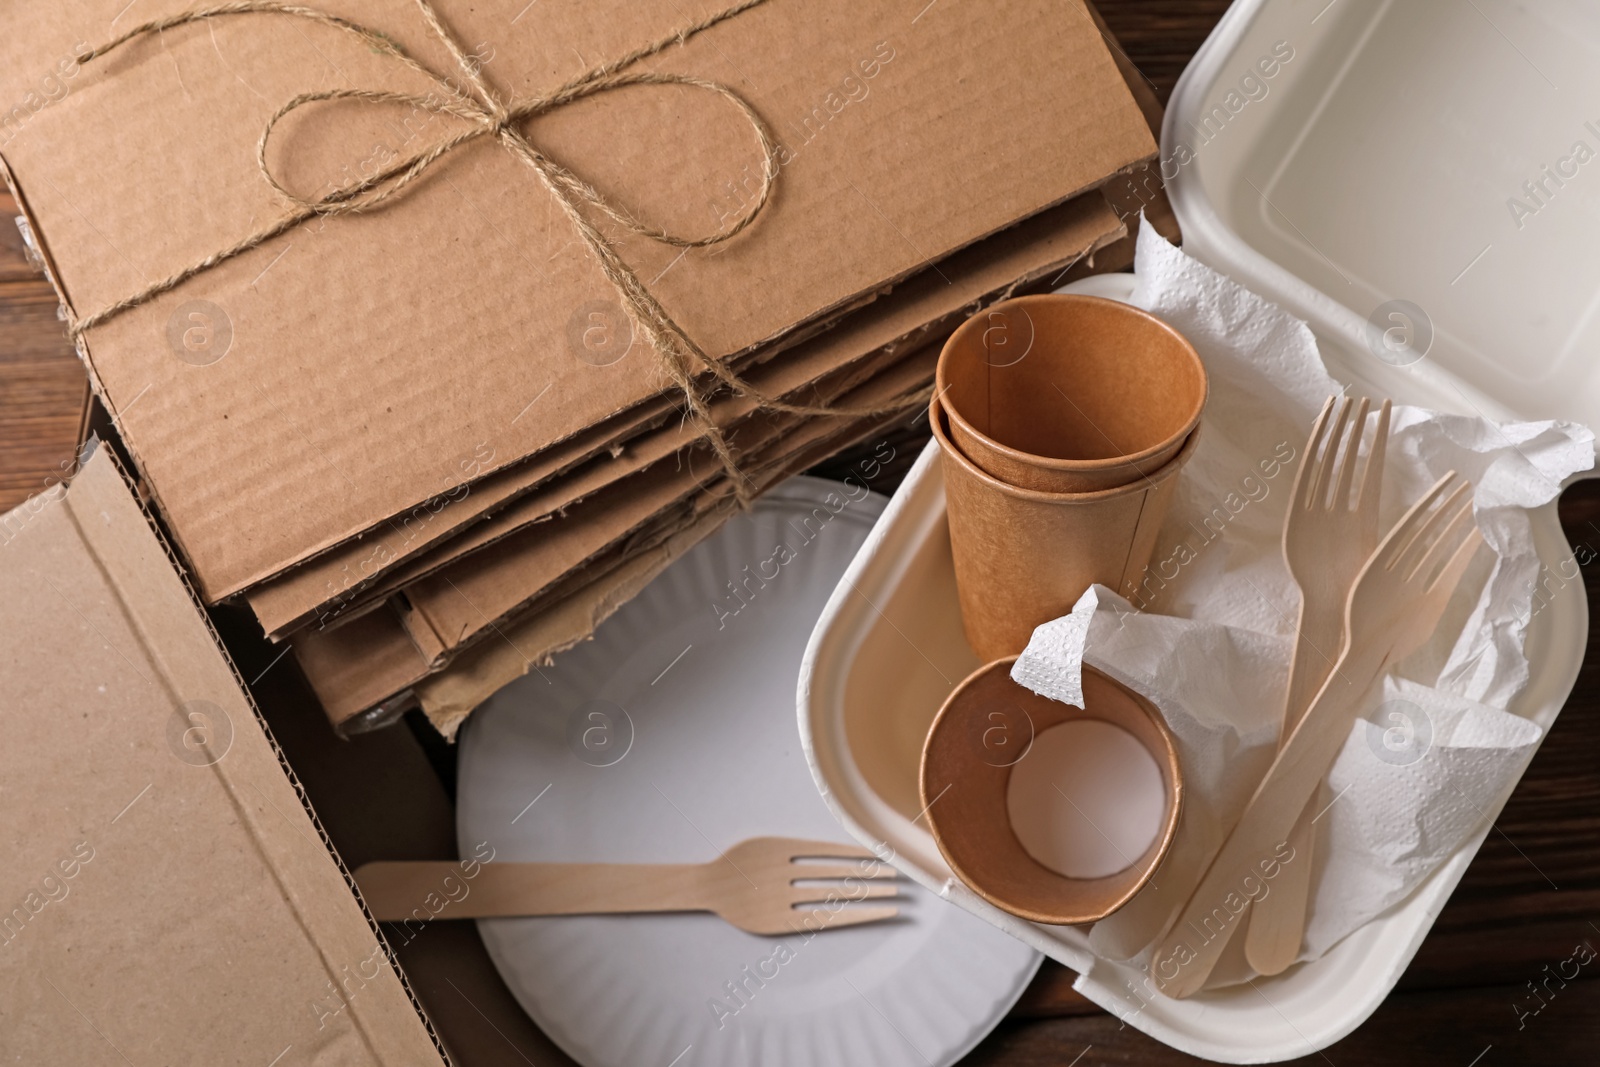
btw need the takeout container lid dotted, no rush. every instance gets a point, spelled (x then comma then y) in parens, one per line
(1024, 557)
(1340, 194)
(965, 782)
(1141, 379)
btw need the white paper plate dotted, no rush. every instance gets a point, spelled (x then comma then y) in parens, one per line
(700, 726)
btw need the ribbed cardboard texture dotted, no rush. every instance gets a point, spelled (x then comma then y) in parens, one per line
(372, 355)
(1037, 248)
(318, 591)
(323, 588)
(448, 696)
(355, 671)
(169, 898)
(657, 452)
(1023, 557)
(381, 653)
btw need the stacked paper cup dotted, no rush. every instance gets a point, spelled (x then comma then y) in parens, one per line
(1064, 421)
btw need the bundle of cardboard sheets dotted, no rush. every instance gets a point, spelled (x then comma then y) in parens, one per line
(425, 443)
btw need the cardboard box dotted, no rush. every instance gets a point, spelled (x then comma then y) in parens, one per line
(372, 355)
(238, 937)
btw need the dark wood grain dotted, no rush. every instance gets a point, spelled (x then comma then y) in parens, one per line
(43, 388)
(1160, 36)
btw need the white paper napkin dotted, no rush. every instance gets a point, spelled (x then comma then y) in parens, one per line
(1212, 647)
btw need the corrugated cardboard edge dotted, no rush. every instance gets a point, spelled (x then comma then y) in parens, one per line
(751, 435)
(364, 663)
(152, 592)
(449, 696)
(735, 413)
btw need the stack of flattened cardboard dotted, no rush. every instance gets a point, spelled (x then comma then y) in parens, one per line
(427, 437)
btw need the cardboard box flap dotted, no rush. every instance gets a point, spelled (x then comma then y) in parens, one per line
(346, 371)
(167, 898)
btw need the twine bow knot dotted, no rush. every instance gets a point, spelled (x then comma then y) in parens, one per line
(487, 114)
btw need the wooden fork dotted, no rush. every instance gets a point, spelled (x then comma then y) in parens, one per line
(1329, 533)
(1395, 604)
(758, 885)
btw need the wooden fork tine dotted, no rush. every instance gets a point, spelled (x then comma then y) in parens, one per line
(815, 894)
(1371, 489)
(1432, 529)
(876, 868)
(1347, 459)
(1399, 538)
(1444, 546)
(799, 848)
(1307, 474)
(1330, 457)
(1372, 475)
(1436, 597)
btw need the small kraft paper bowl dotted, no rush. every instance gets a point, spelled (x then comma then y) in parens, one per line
(983, 731)
(1065, 393)
(1023, 557)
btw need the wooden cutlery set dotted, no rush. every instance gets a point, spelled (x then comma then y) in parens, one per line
(1365, 605)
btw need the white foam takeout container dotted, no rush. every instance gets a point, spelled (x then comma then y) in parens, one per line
(1376, 165)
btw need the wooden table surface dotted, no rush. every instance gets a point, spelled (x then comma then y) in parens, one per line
(1531, 895)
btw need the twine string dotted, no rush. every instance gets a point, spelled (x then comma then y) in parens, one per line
(488, 115)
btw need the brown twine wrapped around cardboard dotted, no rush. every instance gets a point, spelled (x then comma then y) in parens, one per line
(488, 114)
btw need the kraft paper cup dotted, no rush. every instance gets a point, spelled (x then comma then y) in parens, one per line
(1065, 393)
(1023, 557)
(966, 775)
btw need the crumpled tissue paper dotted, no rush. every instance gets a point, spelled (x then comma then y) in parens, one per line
(1435, 748)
